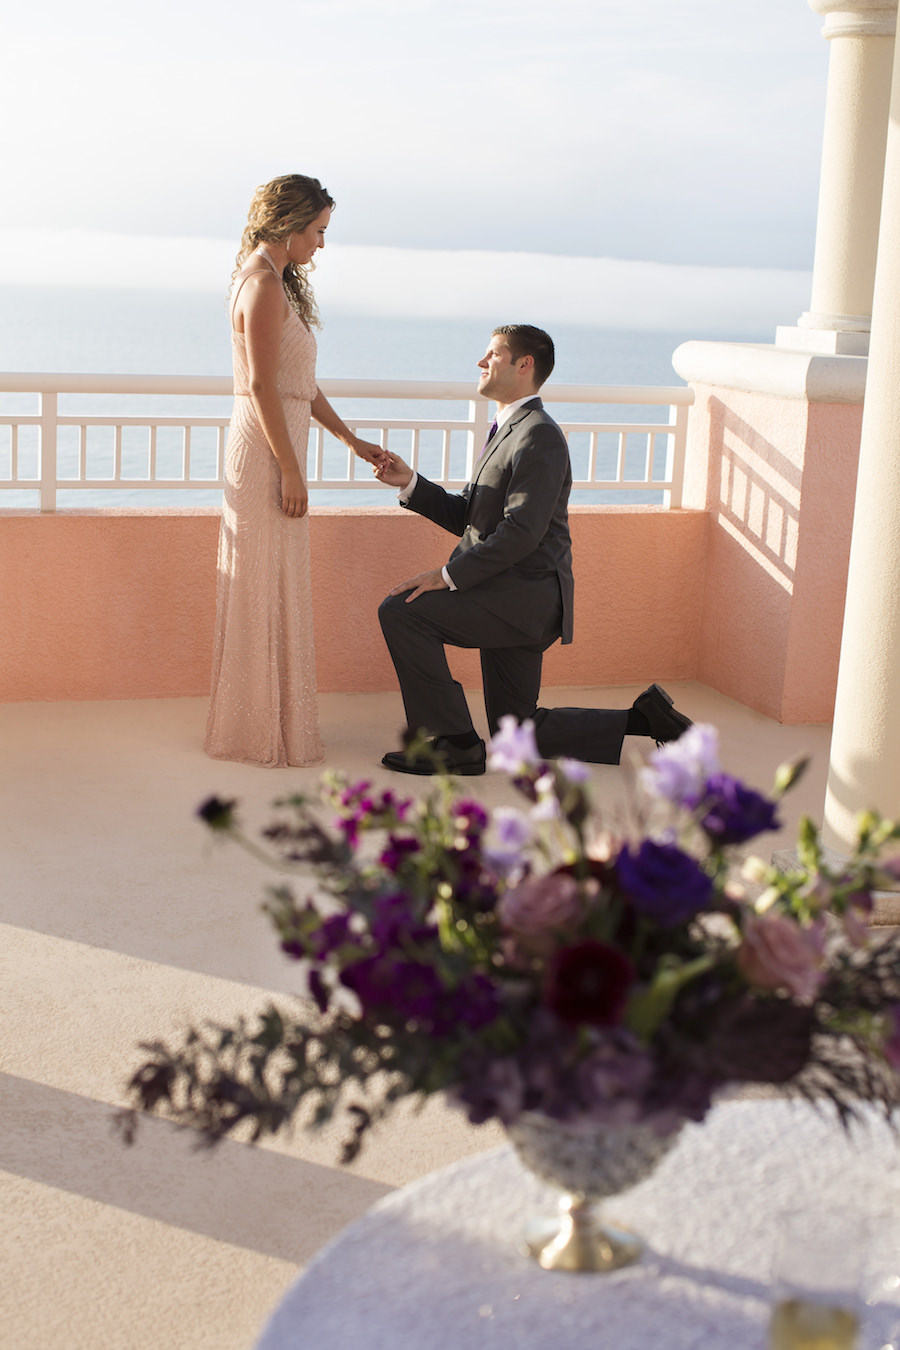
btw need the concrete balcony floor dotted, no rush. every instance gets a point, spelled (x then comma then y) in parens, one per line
(120, 923)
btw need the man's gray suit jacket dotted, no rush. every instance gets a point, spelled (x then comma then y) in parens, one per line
(512, 520)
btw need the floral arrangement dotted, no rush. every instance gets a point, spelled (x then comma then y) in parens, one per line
(539, 959)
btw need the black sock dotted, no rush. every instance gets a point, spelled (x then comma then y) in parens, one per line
(637, 724)
(466, 740)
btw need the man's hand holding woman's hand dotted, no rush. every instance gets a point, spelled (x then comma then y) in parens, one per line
(373, 454)
(393, 470)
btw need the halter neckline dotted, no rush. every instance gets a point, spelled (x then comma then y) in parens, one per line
(261, 250)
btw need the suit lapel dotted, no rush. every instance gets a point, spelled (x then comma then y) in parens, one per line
(533, 405)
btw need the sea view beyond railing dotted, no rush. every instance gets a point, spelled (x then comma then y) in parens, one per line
(101, 434)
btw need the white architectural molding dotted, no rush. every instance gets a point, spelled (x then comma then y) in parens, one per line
(822, 338)
(764, 369)
(857, 18)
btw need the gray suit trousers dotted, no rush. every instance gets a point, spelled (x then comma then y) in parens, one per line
(511, 662)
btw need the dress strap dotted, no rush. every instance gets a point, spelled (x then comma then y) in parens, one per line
(242, 277)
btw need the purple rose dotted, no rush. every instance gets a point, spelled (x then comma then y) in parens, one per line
(589, 983)
(663, 883)
(733, 813)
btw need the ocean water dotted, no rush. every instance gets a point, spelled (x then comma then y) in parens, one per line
(187, 333)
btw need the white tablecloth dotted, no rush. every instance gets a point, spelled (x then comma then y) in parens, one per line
(437, 1265)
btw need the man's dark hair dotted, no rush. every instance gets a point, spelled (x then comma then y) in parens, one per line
(523, 339)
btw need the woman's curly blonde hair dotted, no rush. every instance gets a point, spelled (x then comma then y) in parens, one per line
(286, 206)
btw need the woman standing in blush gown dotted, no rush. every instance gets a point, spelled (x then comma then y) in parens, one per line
(263, 708)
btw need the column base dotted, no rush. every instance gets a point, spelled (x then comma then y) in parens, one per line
(823, 341)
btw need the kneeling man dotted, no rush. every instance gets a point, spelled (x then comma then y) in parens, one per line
(507, 587)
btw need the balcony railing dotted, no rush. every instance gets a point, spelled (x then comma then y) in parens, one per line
(106, 433)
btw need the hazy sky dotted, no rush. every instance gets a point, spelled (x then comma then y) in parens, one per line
(684, 132)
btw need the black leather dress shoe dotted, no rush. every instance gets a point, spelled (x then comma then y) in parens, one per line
(665, 721)
(442, 757)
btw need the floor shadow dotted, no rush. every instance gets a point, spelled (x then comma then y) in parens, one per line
(250, 1197)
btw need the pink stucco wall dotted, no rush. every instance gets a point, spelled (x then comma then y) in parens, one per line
(778, 477)
(99, 605)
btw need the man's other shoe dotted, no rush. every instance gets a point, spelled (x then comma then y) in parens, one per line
(440, 757)
(665, 721)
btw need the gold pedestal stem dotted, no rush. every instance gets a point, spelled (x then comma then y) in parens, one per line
(577, 1240)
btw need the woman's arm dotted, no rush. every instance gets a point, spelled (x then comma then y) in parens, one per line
(261, 310)
(323, 412)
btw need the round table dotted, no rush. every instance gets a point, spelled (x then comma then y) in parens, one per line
(438, 1265)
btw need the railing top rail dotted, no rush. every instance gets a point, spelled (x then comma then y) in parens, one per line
(29, 382)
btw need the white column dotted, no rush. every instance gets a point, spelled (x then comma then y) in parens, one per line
(864, 769)
(861, 35)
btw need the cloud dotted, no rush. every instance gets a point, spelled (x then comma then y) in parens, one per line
(432, 283)
(543, 288)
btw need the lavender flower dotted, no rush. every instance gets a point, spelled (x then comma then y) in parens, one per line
(513, 747)
(679, 770)
(574, 770)
(513, 835)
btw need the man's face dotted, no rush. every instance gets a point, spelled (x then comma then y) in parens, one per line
(502, 378)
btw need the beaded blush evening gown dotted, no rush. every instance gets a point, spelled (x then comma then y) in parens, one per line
(263, 708)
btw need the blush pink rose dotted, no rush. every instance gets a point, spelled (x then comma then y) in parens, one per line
(540, 908)
(777, 953)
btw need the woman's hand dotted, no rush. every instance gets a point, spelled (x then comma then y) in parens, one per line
(393, 471)
(367, 450)
(294, 496)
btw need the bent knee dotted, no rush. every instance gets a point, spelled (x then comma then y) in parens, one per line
(392, 611)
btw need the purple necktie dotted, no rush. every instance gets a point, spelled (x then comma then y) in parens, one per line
(490, 436)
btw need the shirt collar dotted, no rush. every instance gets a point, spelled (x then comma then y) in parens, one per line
(511, 408)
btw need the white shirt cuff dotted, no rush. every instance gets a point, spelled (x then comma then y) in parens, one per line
(447, 577)
(405, 493)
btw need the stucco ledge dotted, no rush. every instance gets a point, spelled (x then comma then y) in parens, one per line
(756, 367)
